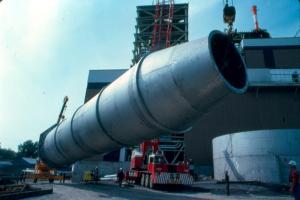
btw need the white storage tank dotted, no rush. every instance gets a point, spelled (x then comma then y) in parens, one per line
(260, 155)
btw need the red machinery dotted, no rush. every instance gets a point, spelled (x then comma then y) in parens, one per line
(163, 23)
(150, 168)
(254, 11)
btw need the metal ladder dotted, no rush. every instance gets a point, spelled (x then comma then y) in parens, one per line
(158, 27)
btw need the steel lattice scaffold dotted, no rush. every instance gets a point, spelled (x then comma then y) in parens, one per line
(159, 26)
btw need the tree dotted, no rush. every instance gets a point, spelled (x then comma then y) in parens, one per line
(7, 154)
(28, 149)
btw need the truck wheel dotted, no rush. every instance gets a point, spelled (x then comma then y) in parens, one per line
(51, 180)
(35, 180)
(143, 180)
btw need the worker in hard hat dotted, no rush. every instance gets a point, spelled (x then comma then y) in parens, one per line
(294, 180)
(96, 175)
(191, 168)
(120, 176)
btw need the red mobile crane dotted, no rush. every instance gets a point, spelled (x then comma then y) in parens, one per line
(149, 168)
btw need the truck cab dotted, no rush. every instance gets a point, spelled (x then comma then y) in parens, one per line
(157, 163)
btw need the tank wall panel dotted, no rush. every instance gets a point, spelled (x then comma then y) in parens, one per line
(256, 155)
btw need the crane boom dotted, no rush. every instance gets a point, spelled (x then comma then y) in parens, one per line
(63, 108)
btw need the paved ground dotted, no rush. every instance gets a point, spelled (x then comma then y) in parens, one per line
(107, 191)
(110, 191)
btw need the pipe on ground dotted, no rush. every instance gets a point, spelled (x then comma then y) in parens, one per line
(162, 94)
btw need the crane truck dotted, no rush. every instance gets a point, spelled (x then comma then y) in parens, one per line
(149, 168)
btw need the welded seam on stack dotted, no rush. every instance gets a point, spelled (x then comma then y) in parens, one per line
(121, 144)
(56, 145)
(79, 140)
(143, 110)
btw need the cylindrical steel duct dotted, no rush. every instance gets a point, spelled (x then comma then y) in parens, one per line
(163, 93)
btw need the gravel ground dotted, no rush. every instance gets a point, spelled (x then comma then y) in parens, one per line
(200, 191)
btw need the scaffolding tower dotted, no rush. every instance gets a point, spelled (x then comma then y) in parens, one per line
(159, 26)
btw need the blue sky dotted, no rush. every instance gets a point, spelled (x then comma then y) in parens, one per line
(48, 46)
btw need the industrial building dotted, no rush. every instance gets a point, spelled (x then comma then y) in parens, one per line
(271, 66)
(200, 114)
(271, 102)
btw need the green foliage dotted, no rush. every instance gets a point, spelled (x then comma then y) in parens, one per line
(28, 149)
(7, 154)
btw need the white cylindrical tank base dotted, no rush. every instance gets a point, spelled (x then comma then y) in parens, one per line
(260, 155)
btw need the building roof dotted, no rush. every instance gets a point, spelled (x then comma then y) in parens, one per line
(31, 161)
(100, 78)
(270, 42)
(104, 76)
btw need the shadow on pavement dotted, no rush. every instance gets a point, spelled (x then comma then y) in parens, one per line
(131, 192)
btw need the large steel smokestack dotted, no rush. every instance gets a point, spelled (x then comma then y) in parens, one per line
(163, 93)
